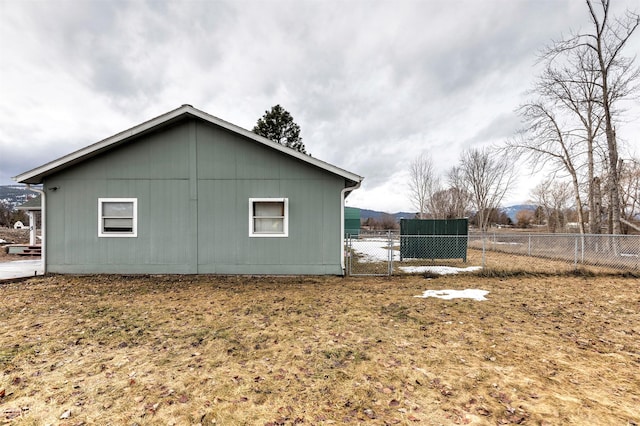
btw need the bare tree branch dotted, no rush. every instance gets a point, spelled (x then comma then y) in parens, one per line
(487, 177)
(572, 123)
(422, 183)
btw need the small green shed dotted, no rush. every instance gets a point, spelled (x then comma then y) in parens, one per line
(434, 238)
(352, 222)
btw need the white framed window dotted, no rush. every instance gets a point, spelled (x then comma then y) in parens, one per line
(268, 217)
(117, 217)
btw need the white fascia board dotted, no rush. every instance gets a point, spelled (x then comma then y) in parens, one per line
(36, 175)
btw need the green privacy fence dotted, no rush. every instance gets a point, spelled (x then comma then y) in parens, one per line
(352, 221)
(443, 238)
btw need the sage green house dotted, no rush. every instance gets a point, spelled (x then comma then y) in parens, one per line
(188, 193)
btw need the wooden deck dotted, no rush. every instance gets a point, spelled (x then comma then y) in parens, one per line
(24, 249)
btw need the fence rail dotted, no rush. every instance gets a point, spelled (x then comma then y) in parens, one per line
(380, 254)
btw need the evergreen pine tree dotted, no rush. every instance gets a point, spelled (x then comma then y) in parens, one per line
(278, 125)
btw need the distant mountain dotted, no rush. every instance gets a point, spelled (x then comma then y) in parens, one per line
(15, 195)
(374, 214)
(512, 211)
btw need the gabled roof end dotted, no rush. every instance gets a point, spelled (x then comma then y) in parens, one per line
(36, 175)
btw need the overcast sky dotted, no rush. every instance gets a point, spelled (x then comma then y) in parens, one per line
(371, 83)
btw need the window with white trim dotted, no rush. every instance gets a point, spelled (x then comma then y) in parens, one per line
(117, 217)
(268, 217)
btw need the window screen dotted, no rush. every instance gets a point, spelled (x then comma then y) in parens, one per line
(268, 217)
(117, 217)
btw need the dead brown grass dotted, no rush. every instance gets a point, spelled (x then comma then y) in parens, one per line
(282, 351)
(504, 264)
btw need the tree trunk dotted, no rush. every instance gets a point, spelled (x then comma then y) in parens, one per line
(594, 183)
(614, 178)
(595, 209)
(578, 201)
(612, 148)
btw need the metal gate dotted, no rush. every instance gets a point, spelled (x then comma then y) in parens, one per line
(370, 254)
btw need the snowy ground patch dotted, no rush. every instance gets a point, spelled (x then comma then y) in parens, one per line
(375, 250)
(441, 270)
(372, 250)
(20, 268)
(470, 293)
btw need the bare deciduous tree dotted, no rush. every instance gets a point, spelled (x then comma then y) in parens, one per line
(607, 41)
(524, 218)
(630, 190)
(570, 124)
(573, 88)
(450, 203)
(549, 141)
(616, 79)
(388, 221)
(422, 183)
(460, 197)
(487, 176)
(553, 196)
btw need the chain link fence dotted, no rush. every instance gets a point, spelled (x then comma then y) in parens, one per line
(371, 254)
(386, 253)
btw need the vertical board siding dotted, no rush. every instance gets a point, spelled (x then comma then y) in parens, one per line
(332, 205)
(55, 226)
(169, 246)
(305, 223)
(193, 182)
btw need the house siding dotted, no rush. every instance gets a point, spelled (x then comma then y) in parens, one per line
(193, 182)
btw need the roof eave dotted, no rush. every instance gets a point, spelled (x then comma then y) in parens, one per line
(35, 176)
(276, 146)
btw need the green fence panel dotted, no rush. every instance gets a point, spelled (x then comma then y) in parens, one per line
(433, 238)
(352, 221)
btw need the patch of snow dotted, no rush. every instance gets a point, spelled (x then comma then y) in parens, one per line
(2, 241)
(628, 255)
(374, 250)
(20, 268)
(471, 293)
(442, 270)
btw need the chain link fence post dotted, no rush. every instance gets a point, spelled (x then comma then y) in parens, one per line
(484, 250)
(390, 252)
(348, 254)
